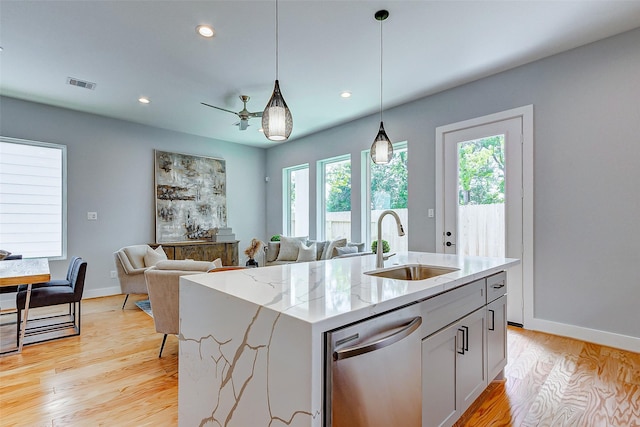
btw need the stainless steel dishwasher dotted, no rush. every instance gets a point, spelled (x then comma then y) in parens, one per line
(372, 372)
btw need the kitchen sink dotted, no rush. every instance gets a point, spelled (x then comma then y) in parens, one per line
(411, 272)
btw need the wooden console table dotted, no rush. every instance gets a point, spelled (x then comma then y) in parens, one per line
(201, 251)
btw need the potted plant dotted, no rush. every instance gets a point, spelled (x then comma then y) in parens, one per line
(252, 250)
(385, 247)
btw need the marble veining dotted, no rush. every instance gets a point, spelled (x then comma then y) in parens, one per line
(251, 341)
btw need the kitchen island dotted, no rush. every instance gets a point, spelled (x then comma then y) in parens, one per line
(252, 342)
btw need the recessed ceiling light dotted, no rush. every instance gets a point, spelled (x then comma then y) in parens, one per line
(345, 94)
(205, 31)
(144, 100)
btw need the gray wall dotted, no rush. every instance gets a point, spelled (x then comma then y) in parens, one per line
(587, 170)
(110, 171)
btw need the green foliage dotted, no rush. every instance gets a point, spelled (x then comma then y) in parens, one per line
(275, 238)
(481, 171)
(389, 183)
(385, 246)
(338, 182)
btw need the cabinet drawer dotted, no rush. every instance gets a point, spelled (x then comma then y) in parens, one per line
(496, 286)
(448, 307)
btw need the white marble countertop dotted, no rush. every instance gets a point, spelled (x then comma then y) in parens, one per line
(329, 294)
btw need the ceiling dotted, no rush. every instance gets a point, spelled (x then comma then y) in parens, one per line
(150, 48)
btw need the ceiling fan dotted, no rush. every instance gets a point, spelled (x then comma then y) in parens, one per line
(244, 114)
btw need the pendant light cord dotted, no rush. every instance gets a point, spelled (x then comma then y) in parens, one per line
(276, 39)
(380, 71)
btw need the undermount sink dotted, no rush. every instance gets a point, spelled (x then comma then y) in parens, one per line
(411, 272)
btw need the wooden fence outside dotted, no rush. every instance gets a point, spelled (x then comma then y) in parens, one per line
(481, 230)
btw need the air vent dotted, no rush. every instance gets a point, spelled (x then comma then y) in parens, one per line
(80, 83)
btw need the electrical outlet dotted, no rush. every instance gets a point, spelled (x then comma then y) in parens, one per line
(113, 274)
(92, 216)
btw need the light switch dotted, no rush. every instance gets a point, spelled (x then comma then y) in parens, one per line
(92, 216)
(430, 213)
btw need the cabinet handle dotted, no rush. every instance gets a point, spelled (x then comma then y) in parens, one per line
(466, 338)
(461, 342)
(498, 286)
(493, 320)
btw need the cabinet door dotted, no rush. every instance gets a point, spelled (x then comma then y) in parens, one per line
(439, 404)
(496, 337)
(471, 377)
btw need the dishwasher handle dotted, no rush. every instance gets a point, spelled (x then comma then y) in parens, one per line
(383, 342)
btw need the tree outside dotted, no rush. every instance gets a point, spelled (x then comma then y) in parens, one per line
(481, 171)
(389, 183)
(338, 186)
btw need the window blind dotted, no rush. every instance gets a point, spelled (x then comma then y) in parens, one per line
(32, 198)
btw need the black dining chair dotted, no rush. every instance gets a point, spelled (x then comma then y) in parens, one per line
(55, 292)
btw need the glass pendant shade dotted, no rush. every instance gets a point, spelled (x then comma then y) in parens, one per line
(381, 149)
(277, 121)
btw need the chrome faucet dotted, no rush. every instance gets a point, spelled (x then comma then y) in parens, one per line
(379, 248)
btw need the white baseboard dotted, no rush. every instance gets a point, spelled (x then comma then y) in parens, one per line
(608, 339)
(8, 301)
(102, 292)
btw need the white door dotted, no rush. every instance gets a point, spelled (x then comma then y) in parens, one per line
(480, 195)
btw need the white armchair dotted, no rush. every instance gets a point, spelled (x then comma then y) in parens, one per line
(130, 267)
(163, 282)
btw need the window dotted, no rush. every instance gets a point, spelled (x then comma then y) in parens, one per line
(296, 200)
(33, 198)
(387, 190)
(334, 189)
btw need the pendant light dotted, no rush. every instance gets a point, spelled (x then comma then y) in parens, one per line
(277, 122)
(381, 149)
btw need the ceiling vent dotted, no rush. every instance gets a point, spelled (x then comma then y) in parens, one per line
(80, 83)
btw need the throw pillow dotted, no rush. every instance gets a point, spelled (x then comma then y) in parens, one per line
(289, 247)
(346, 250)
(359, 246)
(329, 250)
(273, 248)
(306, 253)
(320, 249)
(153, 256)
(4, 254)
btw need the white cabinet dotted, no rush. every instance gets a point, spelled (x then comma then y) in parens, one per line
(453, 370)
(496, 337)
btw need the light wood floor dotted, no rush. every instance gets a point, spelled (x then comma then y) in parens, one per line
(111, 375)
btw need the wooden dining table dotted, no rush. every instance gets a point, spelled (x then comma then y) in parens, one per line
(23, 272)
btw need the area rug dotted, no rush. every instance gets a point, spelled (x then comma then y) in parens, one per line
(145, 306)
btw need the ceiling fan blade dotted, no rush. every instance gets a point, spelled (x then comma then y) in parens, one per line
(218, 108)
(256, 114)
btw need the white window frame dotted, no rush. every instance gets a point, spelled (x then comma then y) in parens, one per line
(365, 195)
(63, 183)
(320, 193)
(286, 196)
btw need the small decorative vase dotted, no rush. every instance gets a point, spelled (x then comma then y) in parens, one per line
(252, 263)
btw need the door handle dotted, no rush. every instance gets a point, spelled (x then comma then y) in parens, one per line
(383, 342)
(493, 320)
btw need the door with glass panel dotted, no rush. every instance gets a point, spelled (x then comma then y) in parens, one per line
(481, 199)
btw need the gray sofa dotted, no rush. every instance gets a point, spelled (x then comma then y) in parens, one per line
(300, 249)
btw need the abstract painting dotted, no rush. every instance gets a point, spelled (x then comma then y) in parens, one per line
(191, 201)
